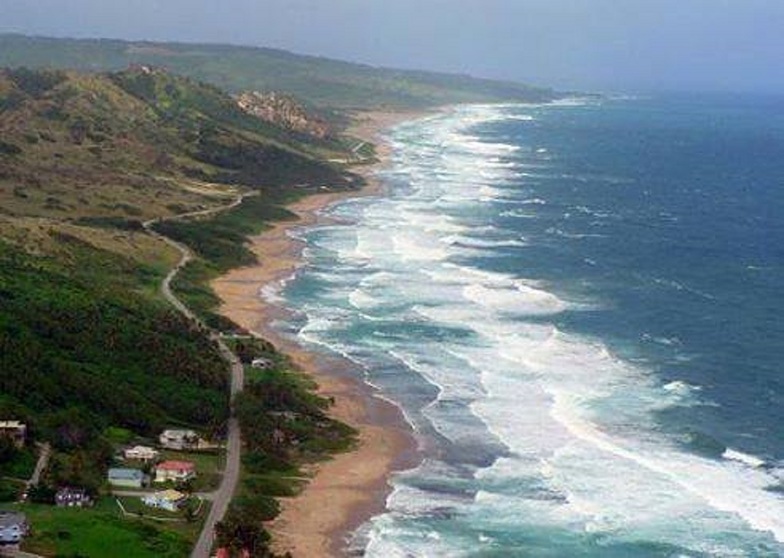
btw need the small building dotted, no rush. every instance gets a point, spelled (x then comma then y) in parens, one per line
(262, 363)
(179, 439)
(13, 527)
(175, 471)
(68, 497)
(141, 453)
(169, 500)
(129, 478)
(14, 430)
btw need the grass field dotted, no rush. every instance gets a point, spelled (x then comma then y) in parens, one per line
(100, 532)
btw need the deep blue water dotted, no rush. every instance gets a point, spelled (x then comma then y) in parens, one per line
(579, 309)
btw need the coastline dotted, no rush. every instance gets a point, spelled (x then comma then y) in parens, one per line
(348, 489)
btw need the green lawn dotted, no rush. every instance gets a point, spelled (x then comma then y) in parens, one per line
(99, 532)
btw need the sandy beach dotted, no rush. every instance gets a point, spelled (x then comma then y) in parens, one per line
(350, 488)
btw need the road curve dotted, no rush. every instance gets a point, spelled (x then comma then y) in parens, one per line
(231, 473)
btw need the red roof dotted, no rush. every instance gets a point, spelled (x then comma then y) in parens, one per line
(176, 466)
(222, 553)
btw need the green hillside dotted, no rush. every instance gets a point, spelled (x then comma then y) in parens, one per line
(135, 144)
(87, 343)
(320, 81)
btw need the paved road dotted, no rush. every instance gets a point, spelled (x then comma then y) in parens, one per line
(231, 473)
(16, 553)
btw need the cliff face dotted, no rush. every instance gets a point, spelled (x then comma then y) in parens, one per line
(283, 111)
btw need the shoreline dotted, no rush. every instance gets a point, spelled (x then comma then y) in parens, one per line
(349, 488)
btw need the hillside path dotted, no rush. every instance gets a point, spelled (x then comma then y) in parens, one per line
(222, 496)
(44, 452)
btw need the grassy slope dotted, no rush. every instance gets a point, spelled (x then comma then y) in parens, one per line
(133, 145)
(83, 159)
(320, 81)
(100, 531)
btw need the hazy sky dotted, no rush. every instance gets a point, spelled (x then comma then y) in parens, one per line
(623, 45)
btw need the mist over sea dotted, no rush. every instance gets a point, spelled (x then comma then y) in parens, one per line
(579, 308)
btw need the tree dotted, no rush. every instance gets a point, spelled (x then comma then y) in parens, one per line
(8, 450)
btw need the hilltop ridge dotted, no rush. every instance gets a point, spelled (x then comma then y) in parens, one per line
(319, 81)
(140, 143)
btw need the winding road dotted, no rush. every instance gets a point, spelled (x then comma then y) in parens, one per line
(222, 496)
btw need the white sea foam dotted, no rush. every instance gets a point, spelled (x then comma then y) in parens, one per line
(680, 387)
(741, 457)
(726, 488)
(480, 243)
(520, 300)
(271, 292)
(520, 117)
(578, 421)
(411, 247)
(516, 213)
(661, 340)
(360, 299)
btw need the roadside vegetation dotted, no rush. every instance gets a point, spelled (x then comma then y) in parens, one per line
(285, 426)
(284, 423)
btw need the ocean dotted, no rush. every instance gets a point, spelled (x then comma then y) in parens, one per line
(578, 306)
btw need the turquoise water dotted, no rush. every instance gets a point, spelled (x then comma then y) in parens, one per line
(578, 308)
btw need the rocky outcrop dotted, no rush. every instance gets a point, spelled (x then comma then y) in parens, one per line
(284, 111)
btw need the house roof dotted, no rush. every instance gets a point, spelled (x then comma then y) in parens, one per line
(11, 424)
(170, 495)
(67, 490)
(176, 466)
(173, 433)
(142, 449)
(125, 474)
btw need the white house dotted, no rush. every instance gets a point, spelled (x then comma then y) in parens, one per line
(68, 497)
(179, 439)
(262, 363)
(175, 471)
(169, 500)
(13, 527)
(141, 453)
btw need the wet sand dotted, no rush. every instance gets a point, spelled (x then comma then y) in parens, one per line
(350, 488)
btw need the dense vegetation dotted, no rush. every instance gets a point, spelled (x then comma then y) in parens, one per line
(78, 336)
(320, 81)
(81, 351)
